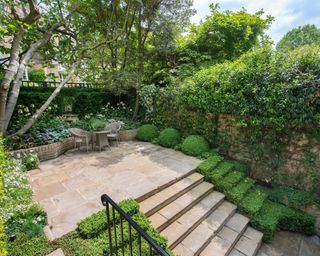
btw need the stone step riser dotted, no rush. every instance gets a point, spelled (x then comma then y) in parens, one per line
(205, 244)
(196, 224)
(157, 190)
(172, 198)
(187, 208)
(237, 239)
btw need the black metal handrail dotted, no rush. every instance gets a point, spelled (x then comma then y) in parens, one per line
(111, 225)
(53, 84)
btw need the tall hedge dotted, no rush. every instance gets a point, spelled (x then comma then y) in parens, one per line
(83, 100)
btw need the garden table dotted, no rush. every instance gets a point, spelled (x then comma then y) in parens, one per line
(102, 139)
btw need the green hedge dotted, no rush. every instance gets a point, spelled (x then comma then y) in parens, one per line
(95, 223)
(147, 132)
(90, 239)
(83, 100)
(209, 164)
(220, 171)
(169, 137)
(230, 181)
(252, 202)
(237, 193)
(266, 216)
(195, 145)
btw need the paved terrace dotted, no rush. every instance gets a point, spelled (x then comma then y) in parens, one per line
(69, 187)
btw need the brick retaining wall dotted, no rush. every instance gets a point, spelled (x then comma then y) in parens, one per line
(46, 152)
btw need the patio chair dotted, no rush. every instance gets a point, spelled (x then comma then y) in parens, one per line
(81, 136)
(113, 131)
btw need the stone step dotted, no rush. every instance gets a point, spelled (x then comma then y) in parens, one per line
(168, 214)
(183, 226)
(227, 237)
(198, 239)
(154, 203)
(248, 244)
(230, 242)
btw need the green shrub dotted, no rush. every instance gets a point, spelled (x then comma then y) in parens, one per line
(169, 137)
(25, 245)
(75, 244)
(298, 221)
(240, 166)
(267, 220)
(95, 123)
(31, 161)
(95, 223)
(291, 197)
(237, 193)
(218, 173)
(274, 216)
(229, 181)
(37, 75)
(147, 132)
(209, 164)
(252, 202)
(194, 145)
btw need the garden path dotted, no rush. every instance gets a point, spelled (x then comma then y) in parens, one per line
(69, 187)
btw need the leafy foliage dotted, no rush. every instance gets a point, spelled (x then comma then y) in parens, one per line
(31, 161)
(297, 37)
(169, 137)
(194, 145)
(18, 211)
(209, 164)
(290, 196)
(238, 192)
(37, 75)
(147, 132)
(227, 35)
(253, 202)
(25, 245)
(95, 223)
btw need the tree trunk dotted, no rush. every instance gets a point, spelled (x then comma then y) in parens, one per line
(39, 111)
(14, 93)
(139, 64)
(9, 74)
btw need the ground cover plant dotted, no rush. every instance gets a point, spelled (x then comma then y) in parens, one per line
(253, 200)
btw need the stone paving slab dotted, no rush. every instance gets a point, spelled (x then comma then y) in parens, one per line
(57, 252)
(69, 187)
(290, 243)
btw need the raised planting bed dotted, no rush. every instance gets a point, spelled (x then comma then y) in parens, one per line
(126, 135)
(46, 152)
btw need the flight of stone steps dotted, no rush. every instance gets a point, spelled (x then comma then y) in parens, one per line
(199, 221)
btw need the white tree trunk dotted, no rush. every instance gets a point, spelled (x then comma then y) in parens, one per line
(9, 74)
(34, 117)
(14, 93)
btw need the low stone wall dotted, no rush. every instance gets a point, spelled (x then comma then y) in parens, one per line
(46, 152)
(297, 164)
(126, 135)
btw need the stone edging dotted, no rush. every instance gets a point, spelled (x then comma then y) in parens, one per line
(51, 151)
(46, 152)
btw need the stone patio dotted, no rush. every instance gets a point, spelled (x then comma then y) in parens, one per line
(69, 187)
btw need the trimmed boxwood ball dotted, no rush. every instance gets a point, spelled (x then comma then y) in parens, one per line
(147, 132)
(195, 145)
(169, 137)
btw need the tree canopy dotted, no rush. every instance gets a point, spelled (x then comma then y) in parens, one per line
(297, 37)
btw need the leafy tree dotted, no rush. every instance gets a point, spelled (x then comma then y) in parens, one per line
(227, 35)
(297, 37)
